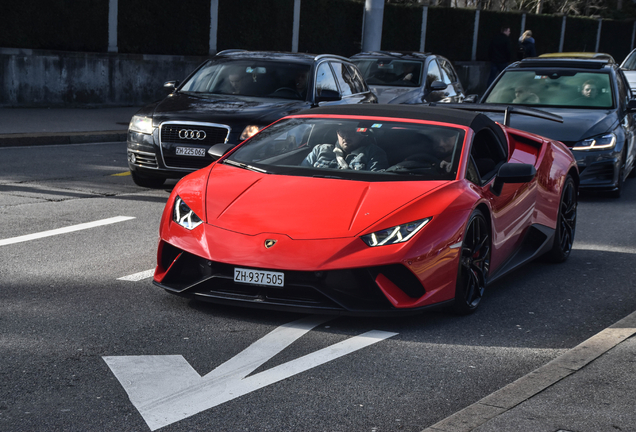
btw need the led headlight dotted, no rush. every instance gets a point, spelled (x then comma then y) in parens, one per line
(249, 131)
(184, 216)
(396, 234)
(141, 124)
(597, 143)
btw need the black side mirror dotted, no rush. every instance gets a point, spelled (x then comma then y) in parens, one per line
(171, 85)
(218, 150)
(631, 105)
(513, 173)
(328, 96)
(438, 86)
(471, 98)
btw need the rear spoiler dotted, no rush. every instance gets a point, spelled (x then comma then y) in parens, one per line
(506, 110)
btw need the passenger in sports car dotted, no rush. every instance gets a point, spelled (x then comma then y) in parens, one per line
(353, 150)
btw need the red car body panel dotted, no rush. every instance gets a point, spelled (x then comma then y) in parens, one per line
(317, 222)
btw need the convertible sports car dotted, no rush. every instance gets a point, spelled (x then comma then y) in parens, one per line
(368, 210)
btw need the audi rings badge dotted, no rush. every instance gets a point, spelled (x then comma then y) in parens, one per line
(192, 134)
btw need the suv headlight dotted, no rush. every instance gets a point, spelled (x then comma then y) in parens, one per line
(249, 132)
(597, 143)
(141, 124)
(396, 234)
(184, 216)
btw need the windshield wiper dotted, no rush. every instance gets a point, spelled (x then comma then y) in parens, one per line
(245, 166)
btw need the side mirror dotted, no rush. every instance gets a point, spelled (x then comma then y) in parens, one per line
(171, 85)
(438, 86)
(631, 105)
(472, 98)
(513, 173)
(218, 150)
(328, 96)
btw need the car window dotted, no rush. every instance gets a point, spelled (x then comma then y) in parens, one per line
(390, 72)
(448, 70)
(356, 79)
(563, 88)
(249, 77)
(624, 92)
(349, 148)
(445, 78)
(344, 78)
(325, 79)
(486, 155)
(630, 62)
(433, 73)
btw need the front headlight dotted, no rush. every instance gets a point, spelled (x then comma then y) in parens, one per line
(141, 124)
(396, 234)
(249, 132)
(184, 216)
(597, 143)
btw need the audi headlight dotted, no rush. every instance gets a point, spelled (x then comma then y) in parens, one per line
(184, 216)
(396, 234)
(597, 143)
(249, 131)
(140, 124)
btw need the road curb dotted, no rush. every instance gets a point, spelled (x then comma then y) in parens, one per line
(38, 139)
(535, 382)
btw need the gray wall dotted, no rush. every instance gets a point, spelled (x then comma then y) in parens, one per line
(56, 78)
(32, 78)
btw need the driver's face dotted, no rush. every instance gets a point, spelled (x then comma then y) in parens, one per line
(446, 144)
(349, 139)
(590, 91)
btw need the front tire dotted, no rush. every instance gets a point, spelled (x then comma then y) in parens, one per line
(566, 223)
(474, 263)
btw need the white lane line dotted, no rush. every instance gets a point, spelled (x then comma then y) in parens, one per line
(138, 276)
(604, 248)
(64, 230)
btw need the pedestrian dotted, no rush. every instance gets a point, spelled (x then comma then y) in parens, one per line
(499, 53)
(526, 45)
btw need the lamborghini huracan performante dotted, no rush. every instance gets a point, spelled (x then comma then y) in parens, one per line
(368, 210)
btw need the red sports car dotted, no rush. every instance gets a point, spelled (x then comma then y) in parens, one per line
(368, 210)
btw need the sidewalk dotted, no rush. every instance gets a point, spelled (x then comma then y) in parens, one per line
(45, 126)
(590, 388)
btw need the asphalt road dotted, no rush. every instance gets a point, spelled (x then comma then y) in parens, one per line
(73, 333)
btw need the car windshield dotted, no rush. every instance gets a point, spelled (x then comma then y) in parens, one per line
(250, 77)
(391, 72)
(559, 88)
(364, 150)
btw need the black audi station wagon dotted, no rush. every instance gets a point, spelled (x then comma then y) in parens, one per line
(227, 100)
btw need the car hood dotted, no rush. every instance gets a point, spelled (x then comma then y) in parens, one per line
(578, 124)
(302, 208)
(386, 94)
(224, 109)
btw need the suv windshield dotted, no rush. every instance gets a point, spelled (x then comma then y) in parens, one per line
(354, 149)
(561, 88)
(250, 77)
(390, 72)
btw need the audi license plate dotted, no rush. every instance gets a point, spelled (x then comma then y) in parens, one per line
(190, 151)
(259, 277)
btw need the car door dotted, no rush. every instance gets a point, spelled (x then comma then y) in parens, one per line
(628, 118)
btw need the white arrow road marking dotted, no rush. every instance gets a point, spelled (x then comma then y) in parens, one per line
(138, 276)
(166, 389)
(64, 230)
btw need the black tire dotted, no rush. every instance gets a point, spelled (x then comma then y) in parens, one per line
(566, 223)
(148, 182)
(474, 263)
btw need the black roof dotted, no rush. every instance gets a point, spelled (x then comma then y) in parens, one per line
(408, 55)
(277, 55)
(562, 63)
(472, 119)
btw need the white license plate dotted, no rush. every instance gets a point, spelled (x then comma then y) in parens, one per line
(190, 151)
(259, 277)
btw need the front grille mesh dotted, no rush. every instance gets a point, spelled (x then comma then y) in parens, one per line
(214, 135)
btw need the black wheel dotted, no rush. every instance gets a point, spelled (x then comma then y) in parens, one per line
(149, 182)
(566, 224)
(473, 264)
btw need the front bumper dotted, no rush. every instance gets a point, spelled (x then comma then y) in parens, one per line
(598, 170)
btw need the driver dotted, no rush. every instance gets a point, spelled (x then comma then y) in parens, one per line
(353, 150)
(443, 148)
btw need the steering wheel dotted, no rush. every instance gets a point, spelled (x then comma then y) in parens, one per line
(424, 157)
(286, 90)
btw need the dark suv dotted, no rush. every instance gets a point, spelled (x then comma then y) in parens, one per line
(595, 102)
(227, 100)
(410, 77)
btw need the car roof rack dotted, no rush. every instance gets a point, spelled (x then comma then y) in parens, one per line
(563, 63)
